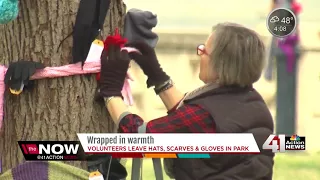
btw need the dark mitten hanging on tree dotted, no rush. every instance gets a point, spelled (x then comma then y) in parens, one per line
(89, 22)
(110, 168)
(18, 75)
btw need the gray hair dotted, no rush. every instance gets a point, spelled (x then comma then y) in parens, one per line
(238, 55)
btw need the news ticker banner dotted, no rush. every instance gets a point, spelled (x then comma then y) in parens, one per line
(141, 145)
(168, 145)
(156, 146)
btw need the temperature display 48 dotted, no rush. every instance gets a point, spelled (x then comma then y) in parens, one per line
(281, 22)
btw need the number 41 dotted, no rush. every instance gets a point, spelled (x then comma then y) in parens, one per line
(275, 143)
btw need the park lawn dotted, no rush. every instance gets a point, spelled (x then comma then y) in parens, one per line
(297, 166)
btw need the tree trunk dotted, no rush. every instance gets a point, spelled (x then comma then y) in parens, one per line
(55, 109)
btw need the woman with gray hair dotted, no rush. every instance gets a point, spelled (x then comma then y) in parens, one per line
(232, 59)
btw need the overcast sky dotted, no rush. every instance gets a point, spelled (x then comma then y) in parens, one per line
(204, 13)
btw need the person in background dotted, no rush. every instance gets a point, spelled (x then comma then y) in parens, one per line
(231, 60)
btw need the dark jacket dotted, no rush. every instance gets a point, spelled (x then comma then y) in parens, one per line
(234, 110)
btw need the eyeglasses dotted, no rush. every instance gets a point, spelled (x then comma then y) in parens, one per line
(201, 49)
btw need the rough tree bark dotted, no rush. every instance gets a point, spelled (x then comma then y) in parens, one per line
(56, 109)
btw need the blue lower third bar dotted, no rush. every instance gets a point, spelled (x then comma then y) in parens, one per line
(193, 155)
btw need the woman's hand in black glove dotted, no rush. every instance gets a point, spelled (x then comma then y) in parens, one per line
(114, 67)
(149, 63)
(19, 73)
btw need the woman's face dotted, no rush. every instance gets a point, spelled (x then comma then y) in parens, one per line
(207, 74)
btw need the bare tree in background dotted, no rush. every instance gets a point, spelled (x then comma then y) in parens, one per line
(55, 109)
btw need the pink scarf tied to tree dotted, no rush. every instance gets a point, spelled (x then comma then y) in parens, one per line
(91, 65)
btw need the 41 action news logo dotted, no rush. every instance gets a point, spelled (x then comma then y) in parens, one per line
(281, 143)
(52, 150)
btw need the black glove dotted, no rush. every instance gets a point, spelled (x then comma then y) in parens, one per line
(110, 168)
(114, 67)
(19, 73)
(149, 63)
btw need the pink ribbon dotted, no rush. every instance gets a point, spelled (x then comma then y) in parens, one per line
(287, 46)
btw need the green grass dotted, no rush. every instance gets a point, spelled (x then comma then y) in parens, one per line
(296, 166)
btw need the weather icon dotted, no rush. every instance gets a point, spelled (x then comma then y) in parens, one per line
(274, 19)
